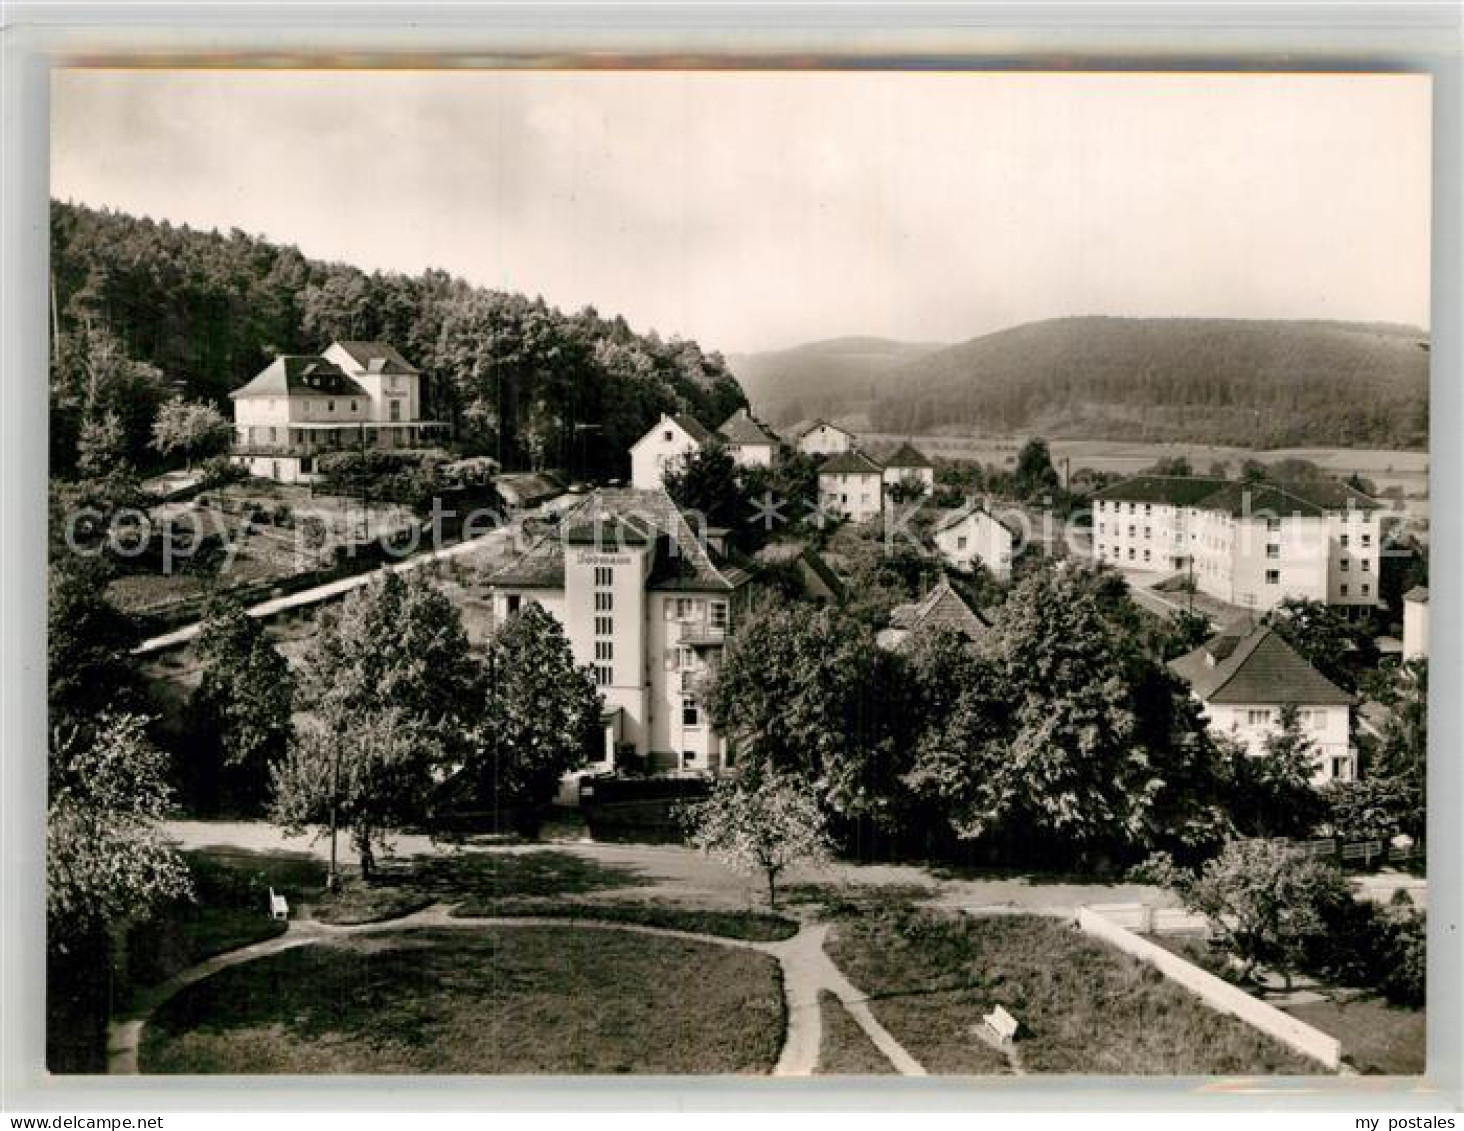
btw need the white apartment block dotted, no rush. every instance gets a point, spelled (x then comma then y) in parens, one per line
(851, 484)
(353, 396)
(1249, 544)
(1247, 674)
(648, 606)
(972, 535)
(668, 442)
(820, 438)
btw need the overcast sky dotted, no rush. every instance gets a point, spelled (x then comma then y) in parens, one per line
(754, 210)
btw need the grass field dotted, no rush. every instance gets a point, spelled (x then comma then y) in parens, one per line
(845, 1049)
(1376, 1037)
(500, 1000)
(1084, 1007)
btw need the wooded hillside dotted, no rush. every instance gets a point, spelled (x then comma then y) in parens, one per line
(146, 309)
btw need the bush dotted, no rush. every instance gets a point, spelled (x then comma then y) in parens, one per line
(1404, 980)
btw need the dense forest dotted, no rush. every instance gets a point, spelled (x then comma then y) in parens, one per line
(1251, 384)
(144, 310)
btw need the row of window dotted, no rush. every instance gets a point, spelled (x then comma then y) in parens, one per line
(1306, 716)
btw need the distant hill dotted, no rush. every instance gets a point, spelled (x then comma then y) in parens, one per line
(1246, 383)
(834, 378)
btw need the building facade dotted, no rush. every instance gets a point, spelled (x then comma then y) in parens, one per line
(821, 438)
(669, 441)
(851, 484)
(354, 396)
(972, 535)
(748, 440)
(648, 606)
(1249, 544)
(908, 465)
(1415, 623)
(1247, 675)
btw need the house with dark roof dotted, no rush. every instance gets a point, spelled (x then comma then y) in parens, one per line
(352, 396)
(820, 438)
(748, 440)
(941, 608)
(1245, 676)
(851, 484)
(972, 535)
(1252, 544)
(908, 465)
(670, 439)
(647, 603)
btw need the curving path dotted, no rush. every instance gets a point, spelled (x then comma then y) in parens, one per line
(806, 968)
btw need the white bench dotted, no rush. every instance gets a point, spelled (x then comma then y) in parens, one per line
(1001, 1023)
(278, 907)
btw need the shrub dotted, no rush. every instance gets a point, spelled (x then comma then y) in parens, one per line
(1405, 976)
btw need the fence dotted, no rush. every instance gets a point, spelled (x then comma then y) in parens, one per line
(1216, 992)
(1149, 920)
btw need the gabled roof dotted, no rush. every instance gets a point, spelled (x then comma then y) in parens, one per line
(686, 422)
(942, 607)
(969, 510)
(817, 422)
(613, 517)
(744, 428)
(378, 357)
(907, 455)
(1247, 664)
(1418, 595)
(802, 554)
(1175, 490)
(300, 375)
(852, 462)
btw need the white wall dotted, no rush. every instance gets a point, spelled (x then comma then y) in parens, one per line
(650, 456)
(1415, 629)
(825, 440)
(381, 389)
(751, 455)
(977, 537)
(857, 494)
(1328, 727)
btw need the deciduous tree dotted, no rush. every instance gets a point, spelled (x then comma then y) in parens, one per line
(191, 429)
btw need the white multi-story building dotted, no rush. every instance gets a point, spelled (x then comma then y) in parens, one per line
(973, 534)
(669, 441)
(1247, 674)
(353, 396)
(851, 484)
(908, 465)
(1251, 544)
(748, 441)
(820, 438)
(647, 604)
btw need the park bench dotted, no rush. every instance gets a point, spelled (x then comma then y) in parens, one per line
(278, 907)
(1002, 1024)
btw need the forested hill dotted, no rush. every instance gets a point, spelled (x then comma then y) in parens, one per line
(177, 310)
(837, 377)
(1251, 384)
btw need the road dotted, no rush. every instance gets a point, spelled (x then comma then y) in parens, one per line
(328, 591)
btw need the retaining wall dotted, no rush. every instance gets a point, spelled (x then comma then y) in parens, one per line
(1216, 992)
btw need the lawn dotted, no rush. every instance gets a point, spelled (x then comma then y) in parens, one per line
(1084, 1006)
(533, 999)
(845, 1049)
(1377, 1038)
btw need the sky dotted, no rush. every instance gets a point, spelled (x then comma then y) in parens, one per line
(756, 210)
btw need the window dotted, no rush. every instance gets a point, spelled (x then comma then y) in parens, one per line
(688, 757)
(690, 713)
(1131, 553)
(330, 406)
(603, 676)
(1343, 541)
(395, 410)
(353, 406)
(604, 575)
(1366, 566)
(1258, 718)
(1273, 524)
(1344, 565)
(1273, 577)
(513, 601)
(1132, 530)
(604, 649)
(604, 602)
(666, 435)
(1131, 508)
(1100, 530)
(1342, 767)
(1273, 551)
(1146, 531)
(1366, 589)
(685, 657)
(1146, 555)
(1366, 540)
(1343, 589)
(604, 626)
(718, 614)
(1148, 509)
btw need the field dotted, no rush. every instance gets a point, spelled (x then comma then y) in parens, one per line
(1084, 1007)
(531, 999)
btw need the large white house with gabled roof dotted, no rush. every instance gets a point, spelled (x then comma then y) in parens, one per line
(670, 440)
(647, 604)
(352, 396)
(1247, 674)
